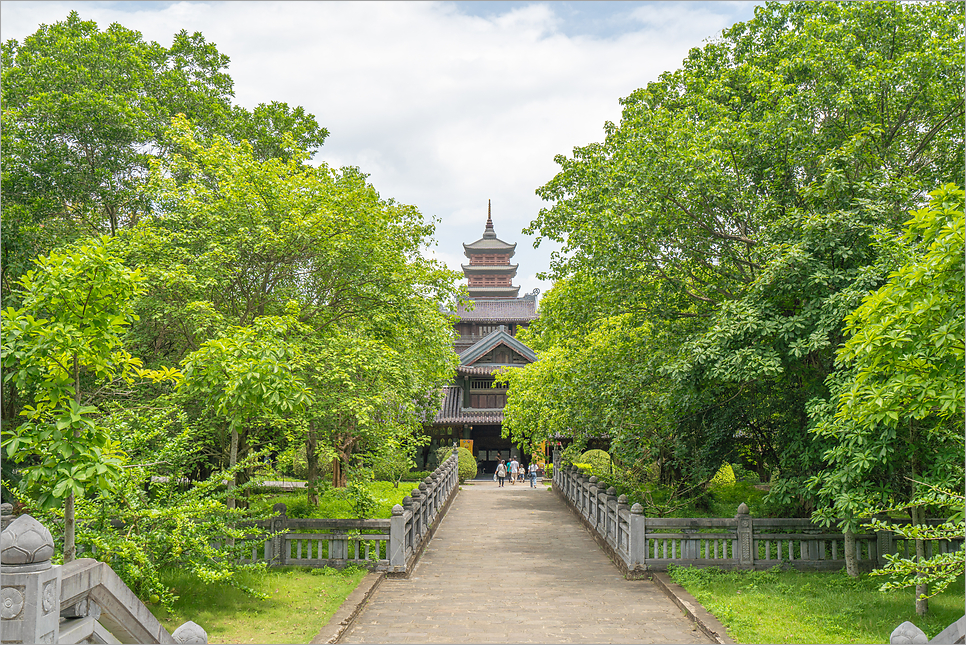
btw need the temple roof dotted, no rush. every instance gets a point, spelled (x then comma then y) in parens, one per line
(489, 243)
(499, 269)
(453, 412)
(501, 310)
(492, 340)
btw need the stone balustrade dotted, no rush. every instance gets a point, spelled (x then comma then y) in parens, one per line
(639, 544)
(78, 602)
(389, 545)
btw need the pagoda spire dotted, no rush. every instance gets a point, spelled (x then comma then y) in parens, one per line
(488, 232)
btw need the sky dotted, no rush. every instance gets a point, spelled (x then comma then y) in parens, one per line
(444, 104)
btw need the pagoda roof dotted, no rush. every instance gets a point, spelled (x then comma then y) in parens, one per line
(494, 292)
(501, 310)
(493, 245)
(489, 243)
(498, 269)
(453, 412)
(492, 340)
(472, 370)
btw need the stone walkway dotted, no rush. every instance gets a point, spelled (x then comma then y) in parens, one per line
(513, 565)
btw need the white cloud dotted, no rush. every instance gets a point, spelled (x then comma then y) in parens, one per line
(444, 110)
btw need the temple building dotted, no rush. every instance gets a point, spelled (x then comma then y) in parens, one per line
(472, 408)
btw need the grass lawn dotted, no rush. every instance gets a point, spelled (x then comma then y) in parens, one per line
(300, 603)
(335, 502)
(813, 607)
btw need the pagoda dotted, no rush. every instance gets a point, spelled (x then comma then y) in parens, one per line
(472, 406)
(489, 272)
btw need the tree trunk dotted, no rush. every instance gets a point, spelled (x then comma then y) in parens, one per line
(922, 605)
(338, 479)
(851, 566)
(312, 461)
(232, 460)
(70, 548)
(70, 551)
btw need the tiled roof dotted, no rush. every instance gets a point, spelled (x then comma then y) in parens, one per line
(452, 411)
(490, 341)
(470, 370)
(499, 269)
(492, 245)
(501, 310)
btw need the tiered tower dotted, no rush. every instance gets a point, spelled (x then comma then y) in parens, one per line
(489, 273)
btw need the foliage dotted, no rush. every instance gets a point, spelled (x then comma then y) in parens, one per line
(76, 147)
(467, 466)
(598, 460)
(896, 416)
(716, 240)
(931, 575)
(76, 305)
(724, 476)
(333, 502)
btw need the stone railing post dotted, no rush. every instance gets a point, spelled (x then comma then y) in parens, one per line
(637, 538)
(424, 502)
(611, 517)
(30, 594)
(397, 539)
(430, 493)
(417, 498)
(592, 501)
(279, 552)
(746, 557)
(883, 544)
(409, 538)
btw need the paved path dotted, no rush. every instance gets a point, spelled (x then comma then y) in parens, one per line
(469, 584)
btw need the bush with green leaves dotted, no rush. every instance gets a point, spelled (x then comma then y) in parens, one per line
(467, 462)
(599, 461)
(724, 476)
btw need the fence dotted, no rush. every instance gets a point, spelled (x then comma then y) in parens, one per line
(389, 545)
(639, 544)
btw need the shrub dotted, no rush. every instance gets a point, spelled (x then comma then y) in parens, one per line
(599, 461)
(467, 465)
(548, 471)
(725, 475)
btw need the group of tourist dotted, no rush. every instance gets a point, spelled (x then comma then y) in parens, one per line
(515, 471)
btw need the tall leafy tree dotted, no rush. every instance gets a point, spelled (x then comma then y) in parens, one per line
(85, 112)
(744, 192)
(63, 343)
(237, 238)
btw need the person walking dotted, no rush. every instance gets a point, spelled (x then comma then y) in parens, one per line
(533, 475)
(501, 472)
(514, 466)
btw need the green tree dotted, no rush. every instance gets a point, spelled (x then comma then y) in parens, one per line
(736, 207)
(248, 373)
(84, 113)
(65, 341)
(896, 415)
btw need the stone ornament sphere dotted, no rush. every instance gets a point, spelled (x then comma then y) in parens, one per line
(26, 541)
(190, 632)
(11, 602)
(907, 633)
(611, 490)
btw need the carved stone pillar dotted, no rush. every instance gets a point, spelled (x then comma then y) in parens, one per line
(746, 558)
(30, 596)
